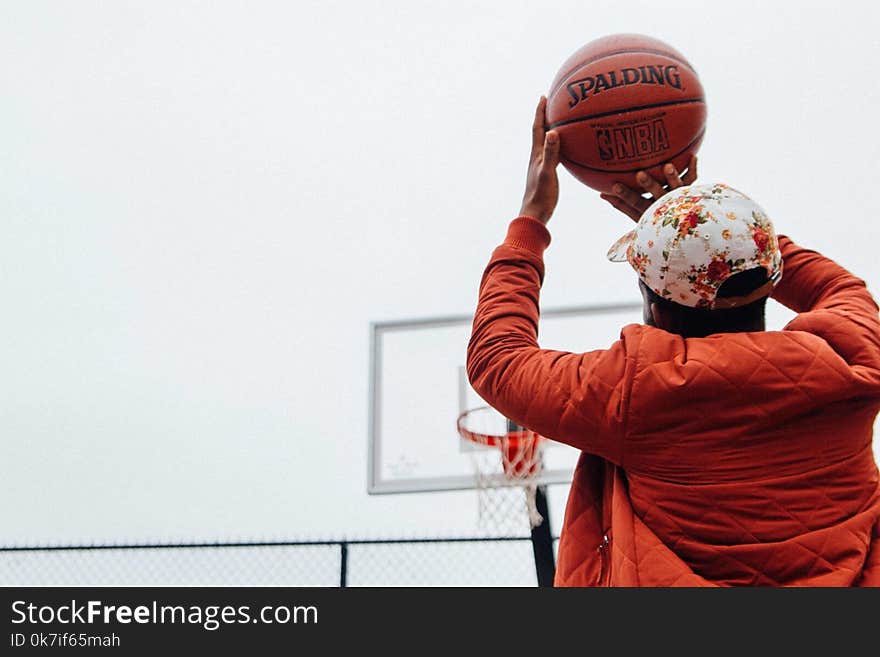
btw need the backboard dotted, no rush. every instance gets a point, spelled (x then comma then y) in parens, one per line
(418, 387)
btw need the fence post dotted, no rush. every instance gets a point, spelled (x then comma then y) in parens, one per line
(343, 564)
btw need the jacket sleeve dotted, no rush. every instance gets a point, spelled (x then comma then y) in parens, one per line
(831, 302)
(576, 398)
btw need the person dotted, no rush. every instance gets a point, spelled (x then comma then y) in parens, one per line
(713, 452)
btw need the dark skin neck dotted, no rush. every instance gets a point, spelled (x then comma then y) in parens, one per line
(668, 319)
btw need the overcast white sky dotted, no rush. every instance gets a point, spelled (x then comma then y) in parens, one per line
(203, 205)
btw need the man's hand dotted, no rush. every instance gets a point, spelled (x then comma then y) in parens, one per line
(631, 202)
(542, 183)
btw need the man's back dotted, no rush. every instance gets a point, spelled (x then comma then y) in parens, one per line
(765, 439)
(766, 479)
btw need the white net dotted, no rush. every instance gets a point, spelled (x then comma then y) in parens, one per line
(507, 461)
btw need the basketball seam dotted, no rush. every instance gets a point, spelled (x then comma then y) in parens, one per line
(598, 58)
(600, 115)
(641, 168)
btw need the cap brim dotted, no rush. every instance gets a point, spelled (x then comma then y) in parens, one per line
(618, 250)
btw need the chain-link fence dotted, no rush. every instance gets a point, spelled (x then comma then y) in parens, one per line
(375, 562)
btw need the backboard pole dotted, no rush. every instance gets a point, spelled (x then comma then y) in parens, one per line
(542, 542)
(542, 537)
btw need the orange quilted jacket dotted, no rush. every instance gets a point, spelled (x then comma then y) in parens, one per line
(735, 459)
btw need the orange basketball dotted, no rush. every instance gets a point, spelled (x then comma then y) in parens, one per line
(626, 103)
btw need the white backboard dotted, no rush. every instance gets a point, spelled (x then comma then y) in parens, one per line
(418, 389)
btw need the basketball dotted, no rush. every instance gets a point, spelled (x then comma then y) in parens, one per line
(625, 103)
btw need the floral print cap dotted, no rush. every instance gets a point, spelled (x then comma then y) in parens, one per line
(694, 238)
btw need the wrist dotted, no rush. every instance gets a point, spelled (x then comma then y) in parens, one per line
(535, 213)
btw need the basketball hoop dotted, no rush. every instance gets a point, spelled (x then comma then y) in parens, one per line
(519, 465)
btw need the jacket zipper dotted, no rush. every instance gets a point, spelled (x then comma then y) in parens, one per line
(604, 561)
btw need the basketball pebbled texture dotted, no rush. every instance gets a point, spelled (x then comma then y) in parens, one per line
(625, 103)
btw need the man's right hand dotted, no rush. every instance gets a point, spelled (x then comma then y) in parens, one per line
(631, 202)
(542, 183)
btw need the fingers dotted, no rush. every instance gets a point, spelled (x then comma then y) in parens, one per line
(649, 184)
(621, 205)
(538, 126)
(630, 196)
(674, 180)
(632, 203)
(551, 152)
(671, 175)
(691, 175)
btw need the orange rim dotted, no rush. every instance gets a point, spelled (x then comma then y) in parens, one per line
(510, 440)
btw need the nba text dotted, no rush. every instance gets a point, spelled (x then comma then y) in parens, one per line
(634, 141)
